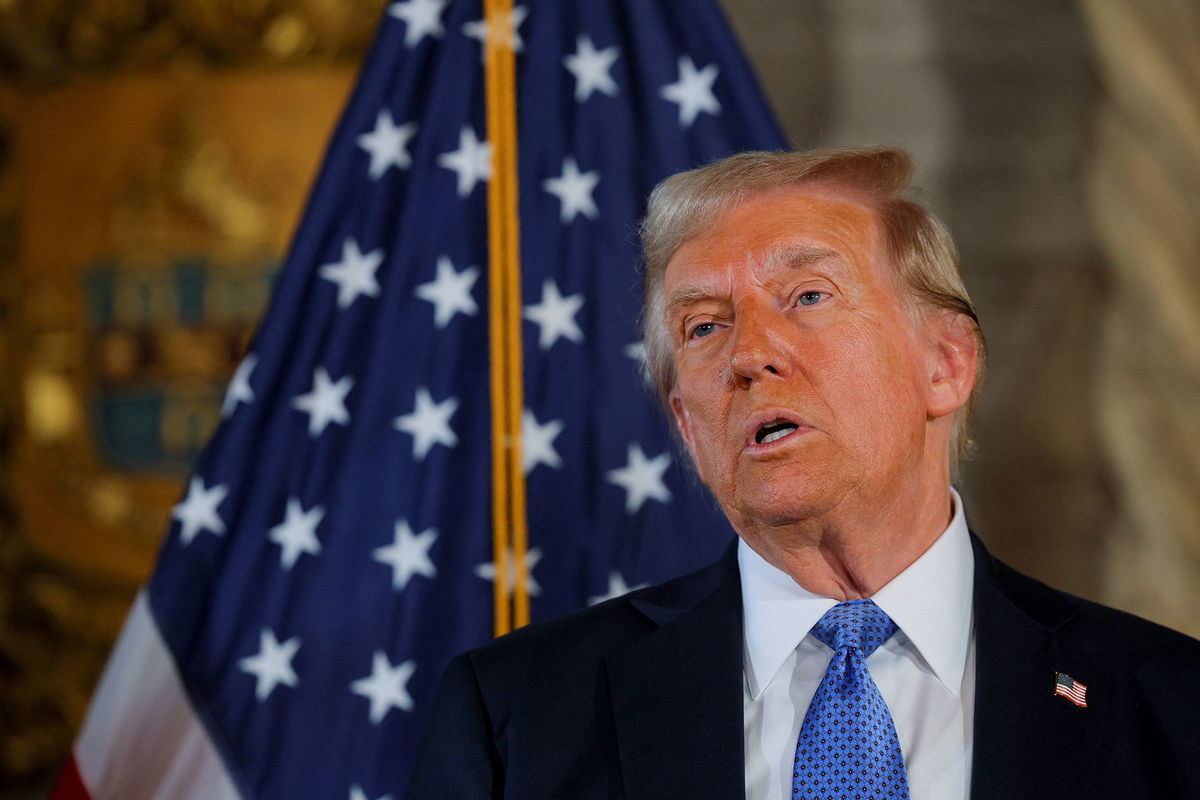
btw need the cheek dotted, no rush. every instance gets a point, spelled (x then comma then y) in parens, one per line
(709, 420)
(701, 384)
(708, 415)
(878, 386)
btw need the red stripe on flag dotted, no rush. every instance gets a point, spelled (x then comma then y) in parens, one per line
(1077, 694)
(70, 784)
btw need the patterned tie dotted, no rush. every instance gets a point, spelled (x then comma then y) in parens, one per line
(848, 747)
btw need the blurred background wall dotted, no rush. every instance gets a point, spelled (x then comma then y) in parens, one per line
(155, 155)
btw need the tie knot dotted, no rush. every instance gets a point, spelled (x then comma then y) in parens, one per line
(855, 624)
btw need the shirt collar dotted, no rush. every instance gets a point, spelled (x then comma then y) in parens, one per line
(930, 601)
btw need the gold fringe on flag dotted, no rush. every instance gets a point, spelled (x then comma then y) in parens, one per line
(509, 529)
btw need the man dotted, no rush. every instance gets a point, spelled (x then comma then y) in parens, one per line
(809, 331)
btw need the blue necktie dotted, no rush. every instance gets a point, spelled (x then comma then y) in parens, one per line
(848, 747)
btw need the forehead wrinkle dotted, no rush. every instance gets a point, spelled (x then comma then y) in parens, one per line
(696, 291)
(777, 260)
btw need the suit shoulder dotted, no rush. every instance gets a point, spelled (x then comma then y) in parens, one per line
(1143, 642)
(1093, 625)
(600, 627)
(585, 636)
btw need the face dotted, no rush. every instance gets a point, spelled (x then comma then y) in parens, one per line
(804, 384)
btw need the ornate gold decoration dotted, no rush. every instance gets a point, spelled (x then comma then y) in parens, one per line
(130, 176)
(53, 40)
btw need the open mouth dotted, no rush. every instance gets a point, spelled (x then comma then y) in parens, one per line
(774, 431)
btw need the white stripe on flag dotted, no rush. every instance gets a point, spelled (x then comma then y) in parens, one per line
(141, 737)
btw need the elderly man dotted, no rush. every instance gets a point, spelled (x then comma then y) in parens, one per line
(808, 328)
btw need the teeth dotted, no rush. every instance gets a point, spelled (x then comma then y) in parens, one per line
(774, 432)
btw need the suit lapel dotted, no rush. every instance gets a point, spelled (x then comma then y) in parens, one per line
(677, 693)
(1029, 742)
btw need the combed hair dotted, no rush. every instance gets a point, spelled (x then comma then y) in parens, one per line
(918, 245)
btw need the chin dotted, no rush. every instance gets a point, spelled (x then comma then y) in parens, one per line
(784, 502)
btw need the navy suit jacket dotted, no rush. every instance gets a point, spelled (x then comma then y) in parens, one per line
(641, 697)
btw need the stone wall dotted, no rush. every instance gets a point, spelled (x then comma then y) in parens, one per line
(1144, 188)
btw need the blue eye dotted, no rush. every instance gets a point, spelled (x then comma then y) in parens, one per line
(810, 298)
(703, 329)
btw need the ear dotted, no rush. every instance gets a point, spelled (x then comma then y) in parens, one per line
(951, 361)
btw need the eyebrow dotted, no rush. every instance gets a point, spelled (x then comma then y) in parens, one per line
(685, 297)
(778, 260)
(796, 257)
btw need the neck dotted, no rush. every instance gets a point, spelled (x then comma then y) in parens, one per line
(852, 551)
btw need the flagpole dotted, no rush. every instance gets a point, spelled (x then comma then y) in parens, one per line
(510, 536)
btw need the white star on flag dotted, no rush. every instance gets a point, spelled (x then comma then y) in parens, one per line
(693, 91)
(198, 511)
(386, 687)
(387, 144)
(272, 665)
(506, 31)
(450, 292)
(429, 423)
(354, 274)
(408, 554)
(472, 161)
(642, 478)
(297, 533)
(357, 793)
(574, 190)
(532, 557)
(591, 68)
(537, 442)
(616, 588)
(421, 18)
(326, 402)
(555, 315)
(239, 390)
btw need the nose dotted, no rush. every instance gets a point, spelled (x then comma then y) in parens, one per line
(758, 350)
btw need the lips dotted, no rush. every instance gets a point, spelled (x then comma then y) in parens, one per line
(774, 431)
(769, 426)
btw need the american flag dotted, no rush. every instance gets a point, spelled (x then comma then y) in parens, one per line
(333, 548)
(1073, 690)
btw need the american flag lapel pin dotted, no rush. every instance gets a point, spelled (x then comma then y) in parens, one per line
(1068, 687)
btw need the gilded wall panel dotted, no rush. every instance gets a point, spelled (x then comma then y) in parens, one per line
(150, 213)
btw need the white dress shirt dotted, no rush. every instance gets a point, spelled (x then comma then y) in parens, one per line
(925, 672)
